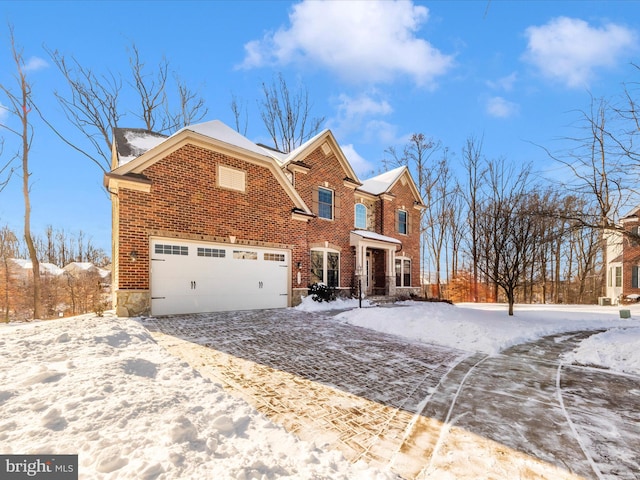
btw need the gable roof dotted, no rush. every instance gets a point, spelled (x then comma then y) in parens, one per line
(326, 140)
(213, 135)
(385, 182)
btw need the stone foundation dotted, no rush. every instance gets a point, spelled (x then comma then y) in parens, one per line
(132, 303)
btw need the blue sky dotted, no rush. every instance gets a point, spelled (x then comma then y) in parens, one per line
(513, 73)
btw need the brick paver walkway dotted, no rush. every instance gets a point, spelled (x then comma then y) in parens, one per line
(351, 388)
(421, 410)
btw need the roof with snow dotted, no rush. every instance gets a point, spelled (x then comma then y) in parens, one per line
(382, 183)
(130, 143)
(376, 236)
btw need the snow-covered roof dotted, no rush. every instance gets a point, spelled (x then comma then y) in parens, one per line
(222, 132)
(376, 236)
(52, 269)
(133, 142)
(382, 183)
(45, 268)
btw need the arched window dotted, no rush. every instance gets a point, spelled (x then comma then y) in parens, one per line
(361, 216)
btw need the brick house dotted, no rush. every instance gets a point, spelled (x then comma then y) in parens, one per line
(623, 262)
(207, 220)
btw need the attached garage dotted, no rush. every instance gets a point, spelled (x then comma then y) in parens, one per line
(195, 277)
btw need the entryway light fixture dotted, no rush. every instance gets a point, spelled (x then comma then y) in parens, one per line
(133, 256)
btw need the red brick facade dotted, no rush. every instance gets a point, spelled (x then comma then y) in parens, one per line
(176, 194)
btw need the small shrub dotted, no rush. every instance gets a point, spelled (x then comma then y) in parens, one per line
(322, 293)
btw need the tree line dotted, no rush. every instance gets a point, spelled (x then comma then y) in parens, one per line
(72, 292)
(500, 231)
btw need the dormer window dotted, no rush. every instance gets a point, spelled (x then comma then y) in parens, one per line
(361, 216)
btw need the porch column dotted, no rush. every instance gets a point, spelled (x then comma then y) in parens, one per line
(391, 272)
(361, 267)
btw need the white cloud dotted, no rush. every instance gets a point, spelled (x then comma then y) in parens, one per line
(360, 41)
(361, 166)
(361, 106)
(501, 108)
(354, 112)
(34, 64)
(569, 50)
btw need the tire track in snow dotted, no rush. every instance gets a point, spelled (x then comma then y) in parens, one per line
(422, 405)
(592, 463)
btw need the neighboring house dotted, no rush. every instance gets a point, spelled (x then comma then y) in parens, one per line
(207, 220)
(623, 262)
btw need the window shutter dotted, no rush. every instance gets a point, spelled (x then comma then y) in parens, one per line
(337, 206)
(408, 217)
(634, 277)
(397, 220)
(315, 201)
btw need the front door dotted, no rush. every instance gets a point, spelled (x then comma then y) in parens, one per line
(378, 275)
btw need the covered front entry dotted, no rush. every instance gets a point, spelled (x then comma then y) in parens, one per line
(375, 260)
(194, 277)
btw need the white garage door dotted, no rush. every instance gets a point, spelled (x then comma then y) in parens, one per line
(192, 277)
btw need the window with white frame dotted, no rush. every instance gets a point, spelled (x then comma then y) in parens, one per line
(403, 272)
(402, 222)
(361, 216)
(635, 273)
(618, 276)
(325, 203)
(325, 267)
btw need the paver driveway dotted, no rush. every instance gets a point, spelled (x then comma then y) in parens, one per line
(424, 411)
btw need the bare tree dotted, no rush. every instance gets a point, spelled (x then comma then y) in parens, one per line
(20, 106)
(93, 103)
(8, 249)
(240, 115)
(506, 224)
(287, 114)
(5, 169)
(474, 170)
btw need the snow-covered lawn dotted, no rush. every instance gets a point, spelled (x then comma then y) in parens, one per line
(103, 389)
(487, 328)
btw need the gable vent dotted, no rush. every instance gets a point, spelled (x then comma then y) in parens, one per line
(231, 178)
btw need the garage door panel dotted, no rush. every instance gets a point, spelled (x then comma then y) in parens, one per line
(192, 277)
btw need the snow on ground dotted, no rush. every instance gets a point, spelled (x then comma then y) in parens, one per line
(487, 328)
(103, 389)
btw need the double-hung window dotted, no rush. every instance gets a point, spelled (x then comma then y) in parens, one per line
(325, 203)
(403, 272)
(325, 267)
(618, 276)
(402, 222)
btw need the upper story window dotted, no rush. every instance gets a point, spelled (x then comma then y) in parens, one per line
(325, 203)
(402, 221)
(361, 216)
